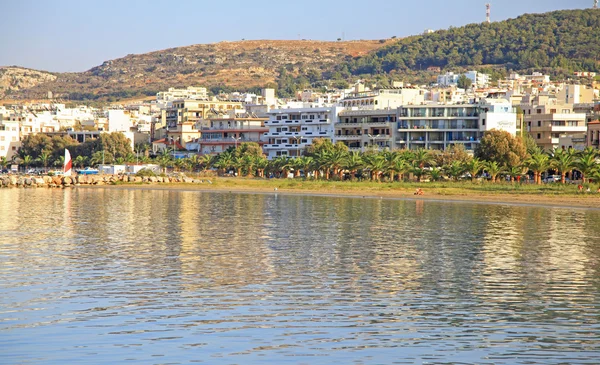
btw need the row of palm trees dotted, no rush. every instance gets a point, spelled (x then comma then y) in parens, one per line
(398, 165)
(339, 164)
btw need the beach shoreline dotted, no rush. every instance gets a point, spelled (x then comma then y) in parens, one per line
(582, 200)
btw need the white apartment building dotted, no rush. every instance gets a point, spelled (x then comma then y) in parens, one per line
(118, 121)
(390, 98)
(10, 139)
(191, 92)
(478, 79)
(292, 130)
(438, 126)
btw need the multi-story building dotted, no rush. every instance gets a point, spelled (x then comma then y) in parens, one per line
(593, 134)
(292, 130)
(10, 140)
(186, 116)
(363, 129)
(478, 79)
(438, 126)
(190, 92)
(575, 94)
(229, 131)
(546, 120)
(196, 110)
(383, 98)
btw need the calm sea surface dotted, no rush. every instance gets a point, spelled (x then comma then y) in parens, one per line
(105, 276)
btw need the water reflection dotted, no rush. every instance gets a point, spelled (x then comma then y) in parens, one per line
(165, 276)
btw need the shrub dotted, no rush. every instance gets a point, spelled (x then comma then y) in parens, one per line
(145, 172)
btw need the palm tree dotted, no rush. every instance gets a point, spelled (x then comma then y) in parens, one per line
(27, 160)
(401, 167)
(3, 161)
(455, 169)
(586, 163)
(59, 161)
(44, 159)
(261, 164)
(421, 158)
(376, 164)
(335, 160)
(493, 168)
(353, 163)
(390, 159)
(282, 164)
(539, 162)
(248, 164)
(207, 161)
(224, 161)
(514, 171)
(119, 160)
(304, 163)
(436, 173)
(79, 161)
(474, 167)
(563, 161)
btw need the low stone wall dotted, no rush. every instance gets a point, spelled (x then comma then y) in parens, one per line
(68, 181)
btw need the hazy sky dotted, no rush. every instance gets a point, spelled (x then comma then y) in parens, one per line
(76, 35)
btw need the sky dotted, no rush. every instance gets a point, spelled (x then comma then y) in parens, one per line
(76, 35)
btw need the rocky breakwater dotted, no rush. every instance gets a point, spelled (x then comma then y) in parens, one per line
(69, 181)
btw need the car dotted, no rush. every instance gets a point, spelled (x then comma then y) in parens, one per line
(5, 171)
(554, 178)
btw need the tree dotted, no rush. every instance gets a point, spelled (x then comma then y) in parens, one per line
(353, 163)
(27, 160)
(538, 163)
(563, 161)
(455, 169)
(493, 169)
(474, 167)
(464, 82)
(501, 147)
(586, 163)
(44, 159)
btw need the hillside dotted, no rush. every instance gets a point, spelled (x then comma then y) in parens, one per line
(15, 79)
(242, 64)
(565, 41)
(557, 43)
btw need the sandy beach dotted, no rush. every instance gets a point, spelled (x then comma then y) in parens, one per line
(589, 200)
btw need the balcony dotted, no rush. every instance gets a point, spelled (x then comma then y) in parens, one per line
(345, 137)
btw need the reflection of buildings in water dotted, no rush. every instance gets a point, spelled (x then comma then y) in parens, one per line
(529, 252)
(222, 239)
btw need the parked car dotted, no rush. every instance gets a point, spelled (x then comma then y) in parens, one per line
(554, 178)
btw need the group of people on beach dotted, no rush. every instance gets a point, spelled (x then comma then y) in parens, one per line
(580, 189)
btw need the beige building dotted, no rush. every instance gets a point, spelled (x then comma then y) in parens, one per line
(593, 134)
(547, 120)
(230, 131)
(575, 94)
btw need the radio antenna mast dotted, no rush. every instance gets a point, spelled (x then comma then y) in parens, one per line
(488, 11)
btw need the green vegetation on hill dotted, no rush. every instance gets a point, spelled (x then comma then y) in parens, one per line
(565, 41)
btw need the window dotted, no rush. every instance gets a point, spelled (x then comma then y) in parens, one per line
(539, 111)
(1, 148)
(14, 148)
(539, 123)
(2, 138)
(483, 121)
(539, 136)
